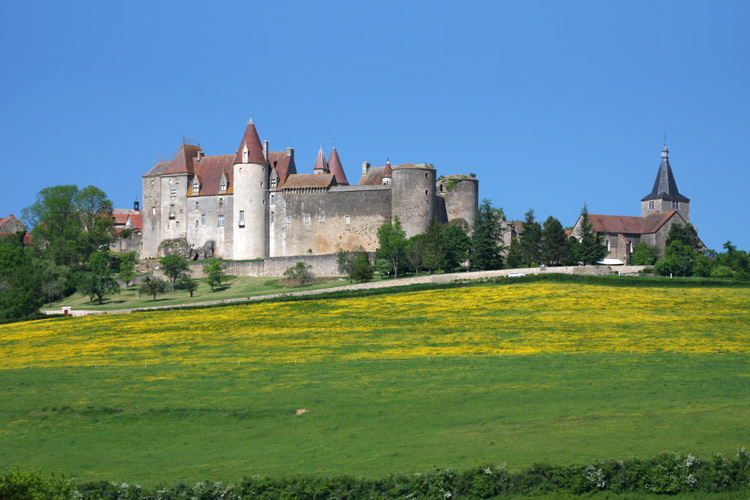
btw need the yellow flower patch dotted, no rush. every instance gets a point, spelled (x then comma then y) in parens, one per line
(474, 321)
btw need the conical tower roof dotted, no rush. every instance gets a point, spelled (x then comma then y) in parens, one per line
(250, 140)
(665, 187)
(388, 171)
(335, 167)
(321, 167)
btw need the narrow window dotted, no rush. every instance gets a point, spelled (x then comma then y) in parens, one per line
(242, 218)
(173, 192)
(153, 210)
(322, 218)
(609, 248)
(348, 220)
(177, 225)
(196, 223)
(221, 203)
(196, 205)
(171, 211)
(307, 218)
(196, 188)
(288, 219)
(203, 219)
(221, 221)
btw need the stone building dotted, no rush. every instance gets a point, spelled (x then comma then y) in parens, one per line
(252, 204)
(661, 208)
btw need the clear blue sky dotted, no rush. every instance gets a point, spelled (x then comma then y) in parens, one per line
(551, 104)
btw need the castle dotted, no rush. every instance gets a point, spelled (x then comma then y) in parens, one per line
(252, 204)
(660, 209)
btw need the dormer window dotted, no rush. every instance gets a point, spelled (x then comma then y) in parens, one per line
(223, 184)
(196, 187)
(245, 153)
(273, 182)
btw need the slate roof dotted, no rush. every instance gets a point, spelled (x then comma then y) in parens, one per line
(255, 150)
(335, 167)
(373, 177)
(300, 181)
(157, 169)
(665, 187)
(621, 224)
(283, 162)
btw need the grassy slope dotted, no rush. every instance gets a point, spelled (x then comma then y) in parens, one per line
(197, 414)
(233, 288)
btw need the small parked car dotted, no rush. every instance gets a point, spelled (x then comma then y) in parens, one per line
(516, 274)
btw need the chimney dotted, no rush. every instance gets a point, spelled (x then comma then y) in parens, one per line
(265, 150)
(136, 205)
(365, 167)
(290, 152)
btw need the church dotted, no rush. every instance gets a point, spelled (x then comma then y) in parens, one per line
(253, 204)
(661, 208)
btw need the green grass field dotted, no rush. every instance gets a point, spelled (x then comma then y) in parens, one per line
(401, 383)
(233, 288)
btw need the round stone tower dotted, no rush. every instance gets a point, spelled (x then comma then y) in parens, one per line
(461, 195)
(413, 196)
(250, 192)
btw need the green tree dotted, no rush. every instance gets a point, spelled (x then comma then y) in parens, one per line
(681, 251)
(186, 282)
(514, 259)
(685, 234)
(415, 251)
(153, 286)
(346, 262)
(363, 271)
(383, 267)
(644, 255)
(21, 292)
(70, 224)
(555, 249)
(589, 249)
(433, 255)
(456, 245)
(127, 272)
(392, 241)
(214, 271)
(485, 241)
(174, 266)
(301, 273)
(531, 239)
(98, 280)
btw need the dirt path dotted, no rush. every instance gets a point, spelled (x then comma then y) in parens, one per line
(434, 278)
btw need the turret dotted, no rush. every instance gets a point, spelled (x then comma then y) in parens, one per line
(413, 196)
(461, 194)
(664, 196)
(320, 167)
(250, 207)
(335, 167)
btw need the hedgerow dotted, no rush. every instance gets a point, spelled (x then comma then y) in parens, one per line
(667, 474)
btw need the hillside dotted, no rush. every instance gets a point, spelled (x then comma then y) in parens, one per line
(370, 385)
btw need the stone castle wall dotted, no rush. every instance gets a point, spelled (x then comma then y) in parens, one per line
(324, 222)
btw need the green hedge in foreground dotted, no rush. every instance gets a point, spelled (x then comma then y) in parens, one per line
(665, 474)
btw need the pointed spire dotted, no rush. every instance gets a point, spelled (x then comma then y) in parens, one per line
(388, 171)
(665, 187)
(321, 167)
(251, 141)
(335, 167)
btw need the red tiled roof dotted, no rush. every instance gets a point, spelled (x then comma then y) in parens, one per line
(182, 163)
(209, 170)
(335, 167)
(388, 172)
(120, 219)
(299, 181)
(320, 163)
(255, 150)
(283, 162)
(622, 224)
